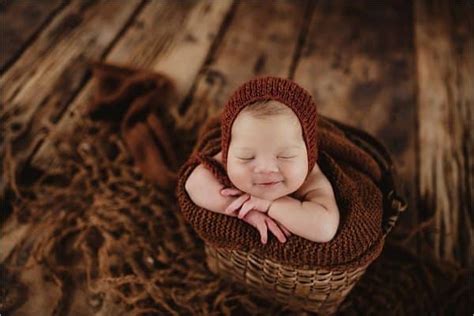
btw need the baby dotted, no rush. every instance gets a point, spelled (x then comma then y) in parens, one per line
(269, 153)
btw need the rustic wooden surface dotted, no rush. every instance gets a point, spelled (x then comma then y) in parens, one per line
(361, 76)
(445, 56)
(401, 71)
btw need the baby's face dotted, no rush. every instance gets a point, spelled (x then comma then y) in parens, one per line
(267, 157)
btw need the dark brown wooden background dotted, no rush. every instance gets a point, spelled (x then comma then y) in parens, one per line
(401, 70)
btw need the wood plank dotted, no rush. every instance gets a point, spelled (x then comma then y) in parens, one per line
(21, 23)
(262, 39)
(171, 38)
(61, 42)
(160, 32)
(358, 63)
(445, 59)
(39, 86)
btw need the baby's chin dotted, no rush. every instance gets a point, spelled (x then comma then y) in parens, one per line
(270, 195)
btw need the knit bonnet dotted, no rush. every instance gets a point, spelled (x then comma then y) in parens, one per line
(278, 89)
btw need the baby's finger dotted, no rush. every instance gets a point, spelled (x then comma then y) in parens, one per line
(236, 204)
(245, 209)
(285, 230)
(262, 228)
(230, 192)
(276, 230)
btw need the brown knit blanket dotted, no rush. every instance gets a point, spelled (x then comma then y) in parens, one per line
(353, 174)
(355, 177)
(95, 237)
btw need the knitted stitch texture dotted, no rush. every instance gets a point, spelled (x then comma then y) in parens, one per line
(355, 177)
(278, 89)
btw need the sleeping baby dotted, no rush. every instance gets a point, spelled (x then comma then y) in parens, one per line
(268, 149)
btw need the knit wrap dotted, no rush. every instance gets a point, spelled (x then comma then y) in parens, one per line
(355, 177)
(277, 89)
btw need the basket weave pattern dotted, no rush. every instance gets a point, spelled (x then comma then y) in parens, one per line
(318, 290)
(314, 289)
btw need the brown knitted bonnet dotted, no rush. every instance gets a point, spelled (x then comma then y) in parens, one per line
(278, 89)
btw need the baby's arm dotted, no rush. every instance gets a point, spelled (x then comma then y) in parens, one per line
(204, 190)
(316, 218)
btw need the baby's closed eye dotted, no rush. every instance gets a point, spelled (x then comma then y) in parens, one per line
(279, 157)
(246, 158)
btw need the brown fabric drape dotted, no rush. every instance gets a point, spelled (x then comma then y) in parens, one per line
(99, 239)
(134, 99)
(355, 177)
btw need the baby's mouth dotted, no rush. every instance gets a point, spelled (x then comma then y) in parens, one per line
(268, 184)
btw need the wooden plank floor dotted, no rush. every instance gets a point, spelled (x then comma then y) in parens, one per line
(401, 71)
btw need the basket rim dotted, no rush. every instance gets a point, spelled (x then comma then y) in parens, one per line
(374, 251)
(394, 203)
(385, 184)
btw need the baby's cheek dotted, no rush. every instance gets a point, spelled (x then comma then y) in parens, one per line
(296, 175)
(239, 176)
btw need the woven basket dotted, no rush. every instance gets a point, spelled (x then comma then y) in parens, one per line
(310, 288)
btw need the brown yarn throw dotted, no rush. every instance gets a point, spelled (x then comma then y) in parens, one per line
(352, 172)
(355, 177)
(99, 239)
(134, 99)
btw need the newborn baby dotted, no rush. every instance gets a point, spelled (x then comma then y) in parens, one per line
(278, 186)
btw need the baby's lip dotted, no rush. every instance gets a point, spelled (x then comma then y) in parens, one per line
(268, 182)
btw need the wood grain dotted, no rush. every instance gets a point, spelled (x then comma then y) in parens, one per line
(162, 35)
(358, 63)
(22, 21)
(361, 61)
(402, 70)
(170, 38)
(261, 40)
(445, 58)
(38, 87)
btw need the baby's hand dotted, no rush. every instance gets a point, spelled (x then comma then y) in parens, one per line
(231, 192)
(245, 203)
(254, 203)
(235, 205)
(255, 218)
(262, 223)
(237, 202)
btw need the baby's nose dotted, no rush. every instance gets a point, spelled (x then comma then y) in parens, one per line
(266, 166)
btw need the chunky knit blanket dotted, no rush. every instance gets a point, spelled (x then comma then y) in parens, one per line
(355, 177)
(353, 173)
(95, 237)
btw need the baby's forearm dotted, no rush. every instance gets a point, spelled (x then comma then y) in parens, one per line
(204, 190)
(307, 219)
